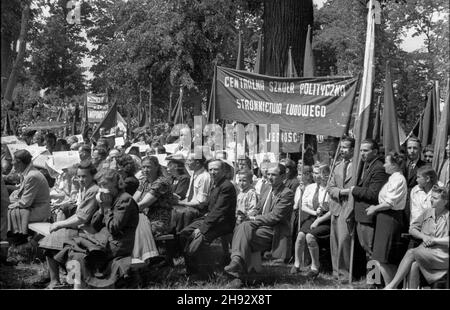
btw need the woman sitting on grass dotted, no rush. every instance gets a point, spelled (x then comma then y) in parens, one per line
(431, 256)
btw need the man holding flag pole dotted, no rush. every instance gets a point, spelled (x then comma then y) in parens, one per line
(367, 151)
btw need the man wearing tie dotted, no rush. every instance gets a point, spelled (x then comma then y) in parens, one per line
(365, 193)
(340, 239)
(413, 163)
(267, 231)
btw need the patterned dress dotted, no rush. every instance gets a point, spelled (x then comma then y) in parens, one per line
(159, 213)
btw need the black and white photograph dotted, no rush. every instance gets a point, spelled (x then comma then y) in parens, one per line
(223, 152)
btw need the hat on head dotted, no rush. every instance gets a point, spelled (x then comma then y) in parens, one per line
(177, 158)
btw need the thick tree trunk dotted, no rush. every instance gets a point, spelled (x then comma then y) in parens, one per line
(20, 55)
(285, 24)
(6, 60)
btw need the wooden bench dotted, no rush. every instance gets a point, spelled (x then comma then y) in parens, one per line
(43, 228)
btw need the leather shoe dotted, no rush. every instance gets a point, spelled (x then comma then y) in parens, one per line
(235, 268)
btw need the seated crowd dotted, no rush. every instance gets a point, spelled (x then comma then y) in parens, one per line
(114, 205)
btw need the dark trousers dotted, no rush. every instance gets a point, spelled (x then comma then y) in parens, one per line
(366, 234)
(183, 217)
(196, 249)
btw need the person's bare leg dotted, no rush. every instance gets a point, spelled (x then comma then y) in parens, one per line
(53, 268)
(414, 276)
(402, 271)
(314, 251)
(387, 271)
(299, 248)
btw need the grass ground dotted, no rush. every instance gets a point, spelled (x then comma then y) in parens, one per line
(273, 276)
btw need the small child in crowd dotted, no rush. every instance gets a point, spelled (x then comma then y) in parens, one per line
(247, 197)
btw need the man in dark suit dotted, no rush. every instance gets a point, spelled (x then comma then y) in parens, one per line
(218, 221)
(413, 163)
(365, 193)
(267, 231)
(340, 239)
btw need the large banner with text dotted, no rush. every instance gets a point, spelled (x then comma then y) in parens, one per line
(314, 105)
(97, 107)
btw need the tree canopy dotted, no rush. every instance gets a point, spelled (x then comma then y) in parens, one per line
(176, 43)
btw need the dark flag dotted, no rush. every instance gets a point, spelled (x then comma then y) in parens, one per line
(308, 60)
(108, 122)
(211, 117)
(177, 113)
(290, 66)
(76, 118)
(429, 121)
(143, 120)
(9, 126)
(240, 57)
(259, 64)
(377, 126)
(391, 140)
(442, 133)
(85, 119)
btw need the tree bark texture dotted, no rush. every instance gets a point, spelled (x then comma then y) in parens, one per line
(285, 24)
(20, 55)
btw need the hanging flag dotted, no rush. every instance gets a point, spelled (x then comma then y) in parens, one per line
(291, 144)
(308, 60)
(437, 108)
(259, 64)
(240, 57)
(377, 126)
(122, 124)
(177, 113)
(76, 117)
(391, 140)
(417, 128)
(429, 121)
(9, 126)
(211, 118)
(290, 71)
(84, 118)
(361, 127)
(143, 121)
(442, 133)
(108, 122)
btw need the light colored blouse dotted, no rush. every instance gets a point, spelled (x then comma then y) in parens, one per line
(394, 192)
(420, 200)
(427, 224)
(247, 201)
(308, 195)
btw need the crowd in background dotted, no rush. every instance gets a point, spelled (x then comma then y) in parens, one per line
(114, 204)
